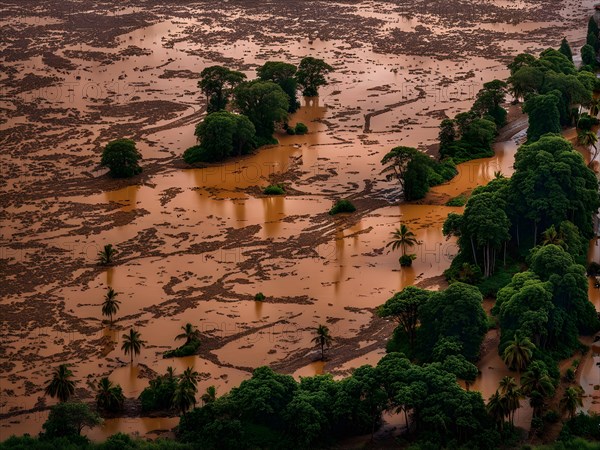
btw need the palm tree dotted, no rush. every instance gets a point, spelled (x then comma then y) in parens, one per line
(61, 385)
(170, 373)
(184, 397)
(210, 395)
(518, 353)
(322, 338)
(110, 306)
(105, 256)
(403, 238)
(190, 376)
(132, 343)
(190, 333)
(109, 396)
(572, 399)
(588, 139)
(551, 236)
(511, 395)
(496, 408)
(594, 106)
(537, 385)
(498, 175)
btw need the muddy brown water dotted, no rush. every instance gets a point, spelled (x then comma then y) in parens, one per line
(196, 245)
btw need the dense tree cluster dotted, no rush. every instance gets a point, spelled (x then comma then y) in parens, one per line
(243, 114)
(415, 171)
(433, 325)
(552, 88)
(551, 187)
(271, 410)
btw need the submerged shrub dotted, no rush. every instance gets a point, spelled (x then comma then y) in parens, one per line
(342, 206)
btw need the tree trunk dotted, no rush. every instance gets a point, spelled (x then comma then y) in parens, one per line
(474, 253)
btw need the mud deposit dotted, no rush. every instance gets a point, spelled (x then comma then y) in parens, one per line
(195, 245)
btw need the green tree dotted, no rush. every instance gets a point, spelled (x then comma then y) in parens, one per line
(284, 75)
(553, 237)
(61, 385)
(537, 384)
(521, 60)
(512, 396)
(565, 49)
(132, 343)
(122, 158)
(210, 395)
(69, 419)
(322, 339)
(497, 408)
(109, 396)
(572, 399)
(544, 116)
(311, 75)
(396, 163)
(489, 102)
(220, 135)
(184, 397)
(453, 313)
(588, 55)
(403, 307)
(403, 238)
(190, 333)
(551, 184)
(526, 81)
(106, 255)
(447, 134)
(589, 139)
(518, 353)
(110, 305)
(487, 226)
(265, 104)
(217, 83)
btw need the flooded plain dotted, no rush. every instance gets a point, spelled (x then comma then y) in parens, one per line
(196, 245)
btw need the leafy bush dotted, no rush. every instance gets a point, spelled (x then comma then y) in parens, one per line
(196, 154)
(301, 128)
(342, 206)
(185, 350)
(260, 297)
(274, 189)
(457, 201)
(406, 260)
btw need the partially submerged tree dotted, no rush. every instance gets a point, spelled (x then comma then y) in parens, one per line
(122, 158)
(217, 83)
(132, 343)
(311, 75)
(62, 385)
(322, 339)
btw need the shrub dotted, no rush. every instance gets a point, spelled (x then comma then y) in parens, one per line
(274, 189)
(291, 131)
(196, 154)
(406, 260)
(301, 128)
(342, 206)
(457, 201)
(551, 416)
(121, 157)
(260, 297)
(185, 350)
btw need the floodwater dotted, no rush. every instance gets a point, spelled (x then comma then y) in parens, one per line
(196, 245)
